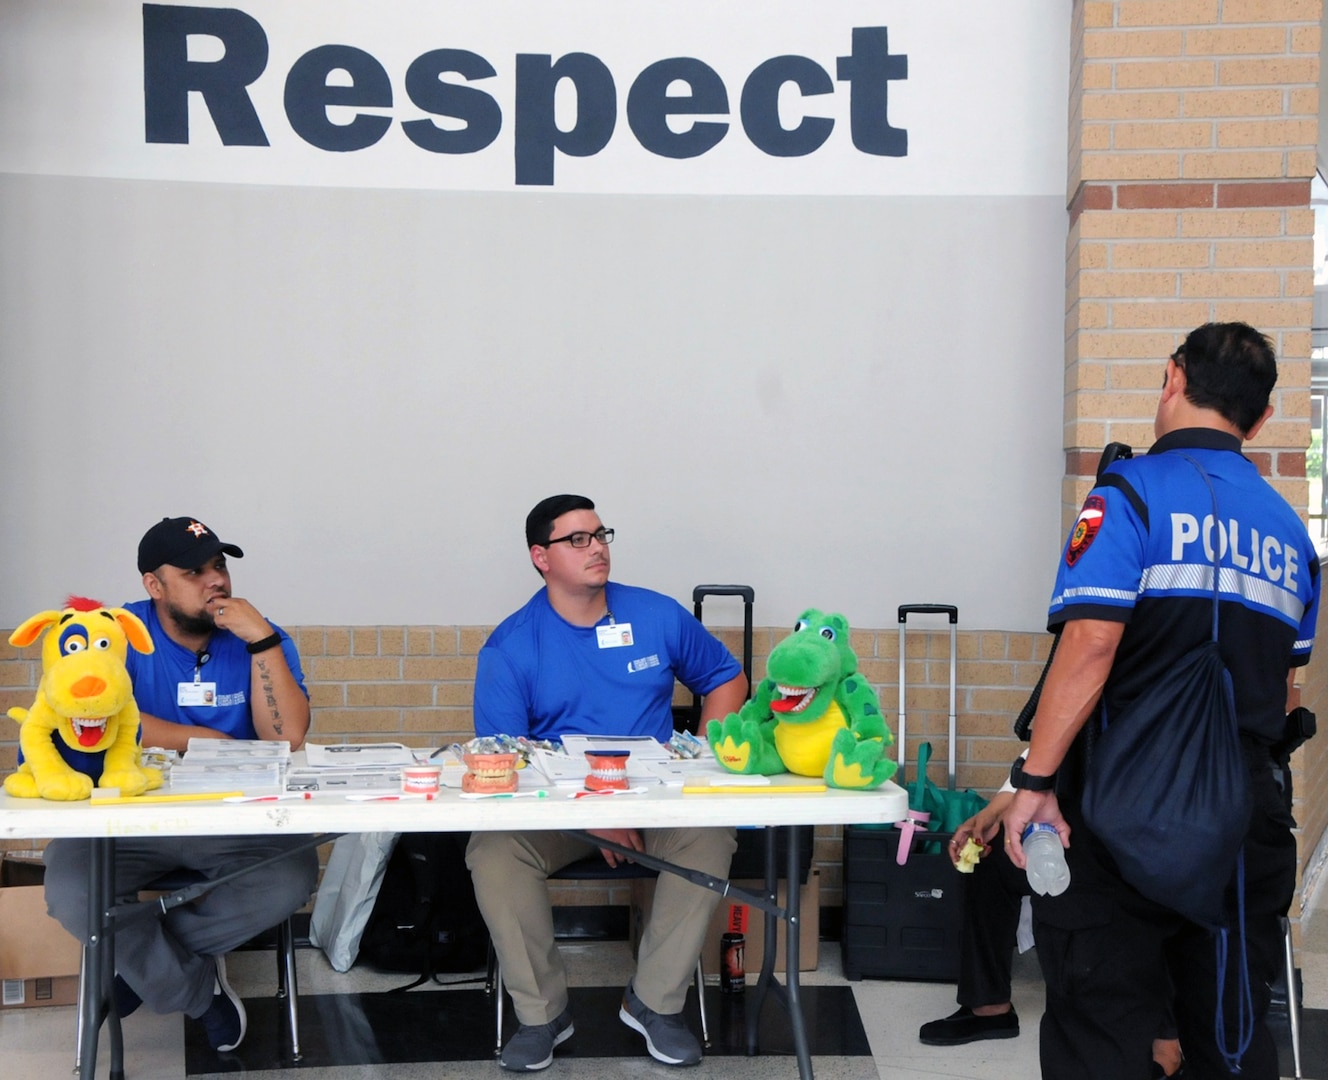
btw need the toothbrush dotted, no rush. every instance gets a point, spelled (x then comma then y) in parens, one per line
(538, 793)
(429, 797)
(607, 791)
(267, 798)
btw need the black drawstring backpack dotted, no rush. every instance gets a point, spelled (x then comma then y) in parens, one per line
(1168, 792)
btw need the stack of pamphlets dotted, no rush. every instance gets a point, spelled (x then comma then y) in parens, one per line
(254, 766)
(349, 768)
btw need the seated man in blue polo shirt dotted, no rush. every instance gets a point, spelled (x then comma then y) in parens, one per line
(221, 671)
(590, 657)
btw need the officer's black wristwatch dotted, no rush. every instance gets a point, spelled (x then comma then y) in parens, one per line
(1022, 781)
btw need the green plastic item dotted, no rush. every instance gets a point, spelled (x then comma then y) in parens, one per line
(948, 809)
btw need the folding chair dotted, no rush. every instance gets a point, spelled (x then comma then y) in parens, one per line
(286, 980)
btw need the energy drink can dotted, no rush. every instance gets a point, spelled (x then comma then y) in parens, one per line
(732, 976)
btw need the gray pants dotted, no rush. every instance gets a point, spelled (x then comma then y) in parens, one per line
(167, 960)
(511, 870)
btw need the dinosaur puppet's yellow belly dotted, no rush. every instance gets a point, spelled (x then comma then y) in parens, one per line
(805, 748)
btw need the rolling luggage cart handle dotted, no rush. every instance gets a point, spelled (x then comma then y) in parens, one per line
(748, 595)
(702, 591)
(905, 610)
(952, 612)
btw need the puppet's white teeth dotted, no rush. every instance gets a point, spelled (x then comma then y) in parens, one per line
(806, 693)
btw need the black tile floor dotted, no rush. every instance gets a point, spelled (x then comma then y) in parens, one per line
(384, 1028)
(353, 1029)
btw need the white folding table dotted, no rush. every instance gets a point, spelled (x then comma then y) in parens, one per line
(325, 816)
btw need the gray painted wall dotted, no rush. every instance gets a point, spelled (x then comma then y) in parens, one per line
(846, 402)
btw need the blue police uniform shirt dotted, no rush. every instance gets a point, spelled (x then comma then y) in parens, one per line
(1141, 552)
(541, 677)
(157, 676)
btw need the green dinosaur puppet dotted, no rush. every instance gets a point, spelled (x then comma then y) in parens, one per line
(813, 714)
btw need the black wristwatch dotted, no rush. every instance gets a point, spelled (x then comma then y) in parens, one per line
(1022, 781)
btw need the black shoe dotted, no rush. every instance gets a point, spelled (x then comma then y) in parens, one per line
(966, 1027)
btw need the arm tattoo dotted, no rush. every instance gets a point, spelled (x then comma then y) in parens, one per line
(270, 695)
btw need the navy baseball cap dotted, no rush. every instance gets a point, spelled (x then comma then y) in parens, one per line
(181, 541)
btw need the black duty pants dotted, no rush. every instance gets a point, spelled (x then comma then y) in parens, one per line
(1106, 954)
(991, 920)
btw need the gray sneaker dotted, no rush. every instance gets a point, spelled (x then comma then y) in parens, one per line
(667, 1037)
(531, 1048)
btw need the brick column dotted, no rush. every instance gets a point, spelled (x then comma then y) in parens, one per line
(1192, 135)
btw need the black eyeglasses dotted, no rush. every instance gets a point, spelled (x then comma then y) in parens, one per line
(582, 539)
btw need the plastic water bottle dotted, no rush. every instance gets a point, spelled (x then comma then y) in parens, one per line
(1047, 873)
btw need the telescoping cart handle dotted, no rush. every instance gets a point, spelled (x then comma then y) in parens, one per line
(952, 612)
(748, 595)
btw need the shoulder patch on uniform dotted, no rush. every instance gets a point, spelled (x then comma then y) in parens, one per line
(1085, 528)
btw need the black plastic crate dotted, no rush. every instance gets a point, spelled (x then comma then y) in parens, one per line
(900, 922)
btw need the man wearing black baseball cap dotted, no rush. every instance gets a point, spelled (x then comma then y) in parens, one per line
(219, 670)
(184, 542)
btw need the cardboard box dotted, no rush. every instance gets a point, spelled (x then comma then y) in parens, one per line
(21, 868)
(39, 959)
(749, 921)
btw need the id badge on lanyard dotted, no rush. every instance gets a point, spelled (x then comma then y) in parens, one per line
(613, 636)
(197, 692)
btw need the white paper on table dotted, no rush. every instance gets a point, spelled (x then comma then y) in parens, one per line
(559, 768)
(357, 755)
(641, 747)
(676, 772)
(344, 781)
(199, 749)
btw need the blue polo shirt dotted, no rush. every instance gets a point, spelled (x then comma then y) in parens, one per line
(541, 677)
(157, 676)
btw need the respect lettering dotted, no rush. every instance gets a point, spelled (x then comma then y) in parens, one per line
(680, 86)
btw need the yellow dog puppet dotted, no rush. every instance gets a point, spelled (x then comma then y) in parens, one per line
(83, 728)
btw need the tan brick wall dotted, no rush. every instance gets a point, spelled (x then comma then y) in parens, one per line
(995, 672)
(415, 685)
(1191, 137)
(1192, 141)
(1193, 126)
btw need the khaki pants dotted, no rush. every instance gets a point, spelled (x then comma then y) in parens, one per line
(511, 871)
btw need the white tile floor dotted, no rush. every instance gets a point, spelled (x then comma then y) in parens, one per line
(38, 1043)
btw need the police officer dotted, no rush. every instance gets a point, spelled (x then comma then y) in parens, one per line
(1131, 597)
